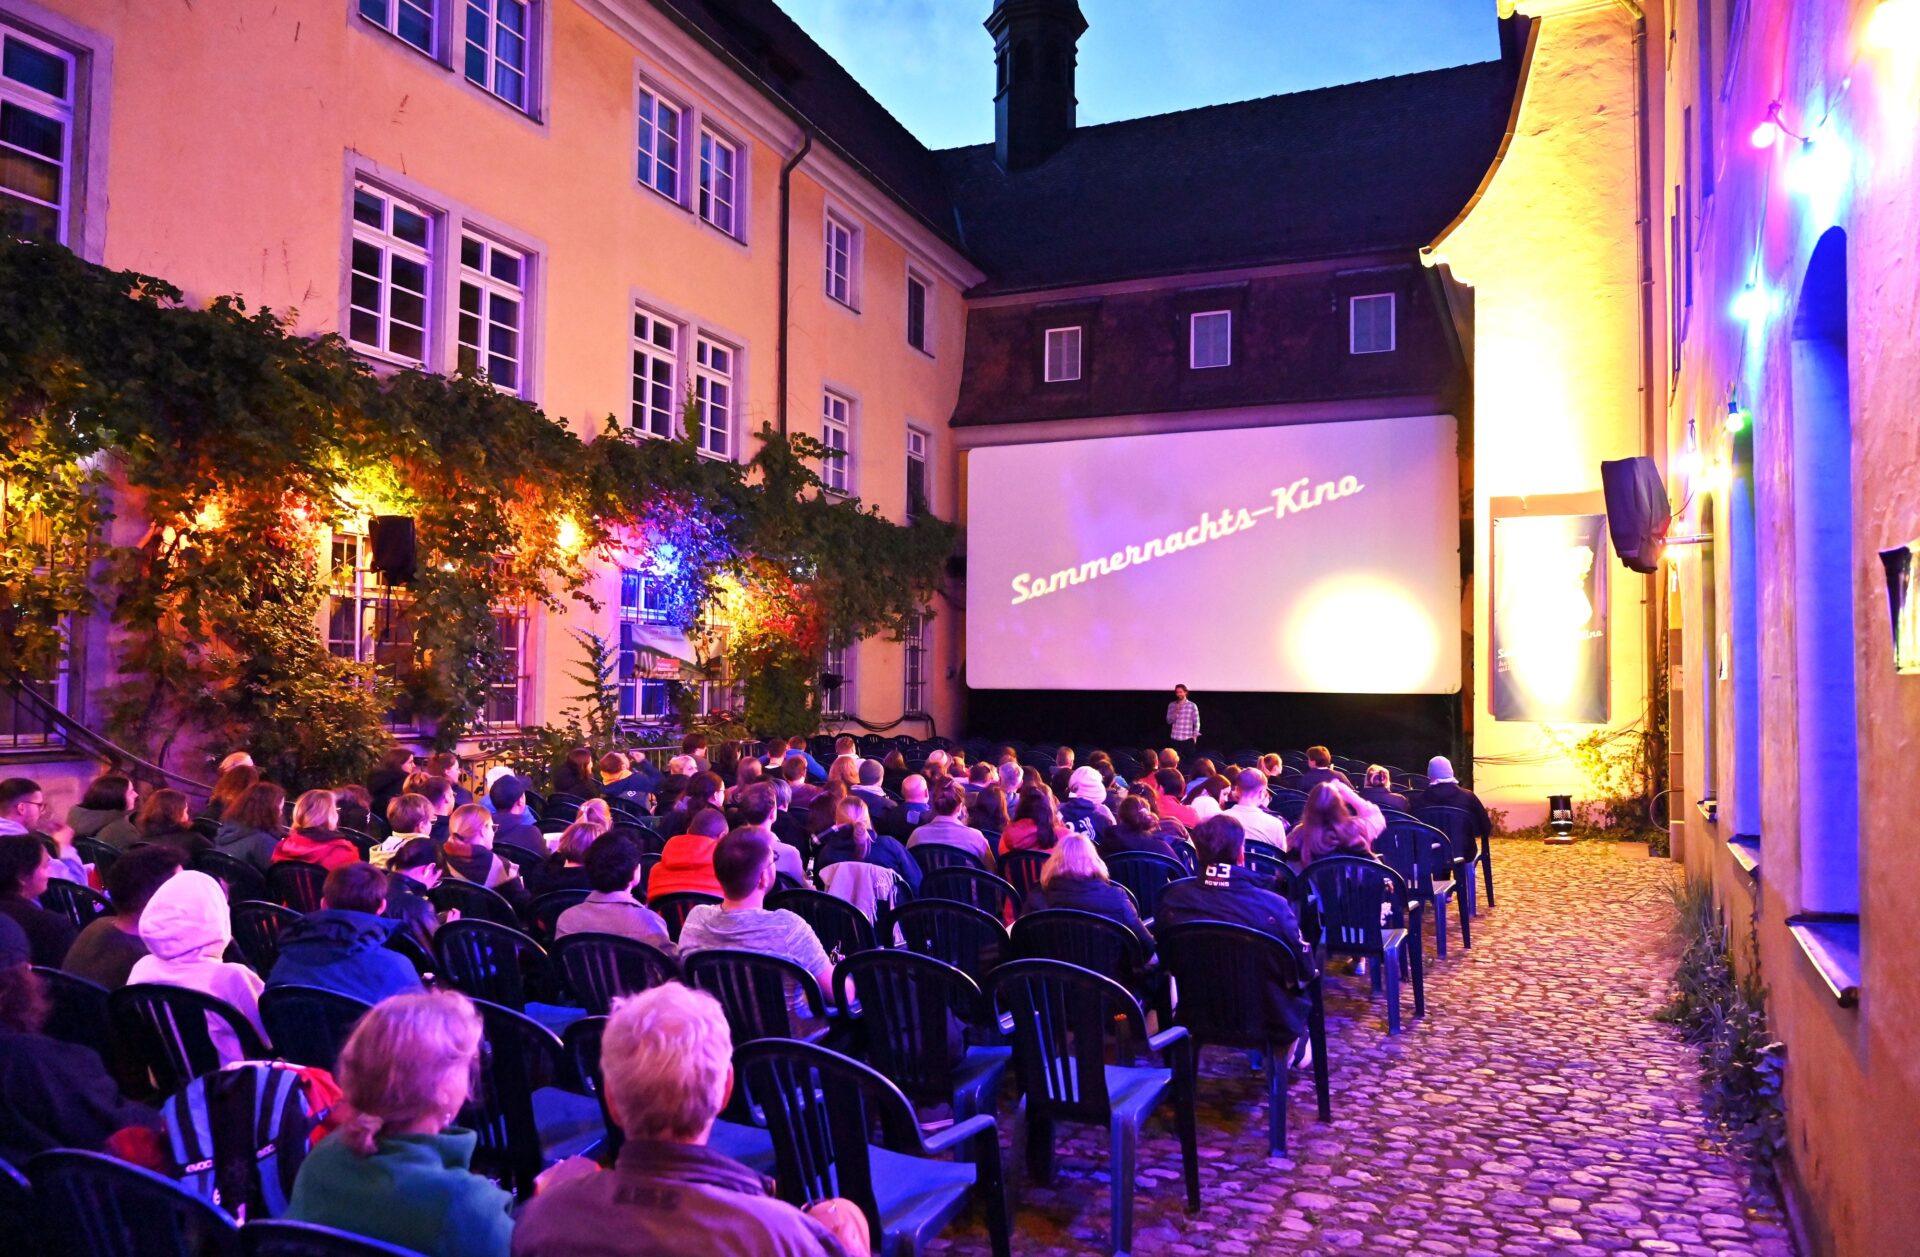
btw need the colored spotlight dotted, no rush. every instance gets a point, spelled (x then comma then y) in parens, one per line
(1752, 305)
(1895, 24)
(1766, 135)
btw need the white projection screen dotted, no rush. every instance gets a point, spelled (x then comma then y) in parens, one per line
(1310, 558)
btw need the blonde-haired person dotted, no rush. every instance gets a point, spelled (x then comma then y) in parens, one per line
(396, 1170)
(846, 771)
(667, 1059)
(1335, 821)
(596, 813)
(315, 837)
(468, 855)
(1075, 876)
(566, 868)
(854, 837)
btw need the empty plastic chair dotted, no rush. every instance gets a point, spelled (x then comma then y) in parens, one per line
(309, 1025)
(599, 967)
(528, 1108)
(916, 1012)
(296, 884)
(1363, 907)
(493, 962)
(544, 915)
(92, 1205)
(968, 883)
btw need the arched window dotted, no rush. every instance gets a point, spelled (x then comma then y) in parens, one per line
(1825, 639)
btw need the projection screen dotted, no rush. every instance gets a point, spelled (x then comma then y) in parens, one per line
(1311, 558)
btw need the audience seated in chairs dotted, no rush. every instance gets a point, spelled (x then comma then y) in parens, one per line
(512, 821)
(412, 871)
(613, 871)
(1379, 791)
(387, 782)
(854, 838)
(315, 837)
(250, 828)
(25, 867)
(356, 808)
(105, 811)
(741, 921)
(52, 1094)
(755, 807)
(566, 868)
(1036, 824)
(1226, 890)
(620, 780)
(1138, 829)
(1250, 800)
(948, 826)
(1172, 789)
(704, 790)
(396, 1170)
(1444, 790)
(187, 929)
(1085, 807)
(1076, 877)
(343, 947)
(409, 816)
(107, 949)
(1336, 821)
(227, 789)
(686, 861)
(596, 815)
(164, 820)
(438, 792)
(1208, 795)
(1319, 769)
(468, 855)
(667, 1060)
(575, 776)
(445, 766)
(987, 810)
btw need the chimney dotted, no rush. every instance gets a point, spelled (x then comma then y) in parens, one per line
(1035, 47)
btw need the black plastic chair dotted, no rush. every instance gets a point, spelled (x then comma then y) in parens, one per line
(1145, 874)
(493, 962)
(970, 884)
(544, 915)
(822, 1109)
(81, 905)
(296, 884)
(96, 852)
(747, 1144)
(673, 908)
(19, 1212)
(1468, 851)
(244, 882)
(165, 1033)
(559, 811)
(1265, 850)
(752, 989)
(79, 1010)
(1420, 854)
(528, 1107)
(1226, 974)
(256, 932)
(473, 902)
(915, 1012)
(599, 967)
(841, 928)
(1062, 1015)
(648, 859)
(93, 1205)
(362, 840)
(1364, 911)
(1100, 944)
(524, 860)
(1021, 869)
(933, 856)
(970, 940)
(309, 1025)
(279, 1238)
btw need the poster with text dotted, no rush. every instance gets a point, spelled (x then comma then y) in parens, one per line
(1549, 621)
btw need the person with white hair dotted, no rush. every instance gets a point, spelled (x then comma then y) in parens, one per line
(1444, 790)
(666, 1057)
(237, 759)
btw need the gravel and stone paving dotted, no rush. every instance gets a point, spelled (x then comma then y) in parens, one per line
(1536, 1109)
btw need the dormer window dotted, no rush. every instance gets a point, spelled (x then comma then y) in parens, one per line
(1063, 354)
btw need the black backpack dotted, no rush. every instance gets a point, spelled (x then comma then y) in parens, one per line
(239, 1135)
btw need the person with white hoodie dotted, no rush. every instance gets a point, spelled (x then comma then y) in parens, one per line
(187, 930)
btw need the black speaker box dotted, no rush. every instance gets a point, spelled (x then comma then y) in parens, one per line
(391, 537)
(1637, 511)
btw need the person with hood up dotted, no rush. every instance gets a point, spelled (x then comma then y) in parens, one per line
(315, 837)
(343, 947)
(187, 930)
(1085, 808)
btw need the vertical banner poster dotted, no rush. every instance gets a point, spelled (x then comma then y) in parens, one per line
(1549, 618)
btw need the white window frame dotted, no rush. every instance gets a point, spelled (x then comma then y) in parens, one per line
(1353, 322)
(489, 52)
(390, 246)
(1059, 340)
(373, 607)
(490, 290)
(841, 660)
(716, 439)
(513, 622)
(64, 113)
(391, 23)
(1193, 339)
(916, 279)
(842, 251)
(913, 697)
(836, 433)
(649, 162)
(649, 355)
(638, 691)
(919, 450)
(720, 211)
(27, 729)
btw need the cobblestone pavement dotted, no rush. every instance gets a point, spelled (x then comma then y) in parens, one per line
(1536, 1109)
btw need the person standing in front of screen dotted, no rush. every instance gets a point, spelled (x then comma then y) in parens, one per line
(1183, 722)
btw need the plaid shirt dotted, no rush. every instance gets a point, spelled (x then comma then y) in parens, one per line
(1183, 718)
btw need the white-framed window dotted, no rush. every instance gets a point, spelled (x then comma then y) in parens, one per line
(499, 43)
(837, 699)
(1210, 340)
(836, 433)
(916, 687)
(493, 306)
(642, 697)
(660, 161)
(919, 488)
(1063, 354)
(367, 621)
(392, 274)
(1370, 324)
(919, 291)
(24, 724)
(413, 21)
(656, 369)
(842, 246)
(508, 687)
(719, 181)
(713, 392)
(38, 90)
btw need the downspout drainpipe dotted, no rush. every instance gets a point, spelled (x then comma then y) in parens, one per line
(786, 267)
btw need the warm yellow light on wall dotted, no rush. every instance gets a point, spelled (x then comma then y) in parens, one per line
(567, 534)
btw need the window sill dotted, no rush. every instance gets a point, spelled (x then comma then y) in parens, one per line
(1831, 943)
(1709, 810)
(845, 307)
(1745, 849)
